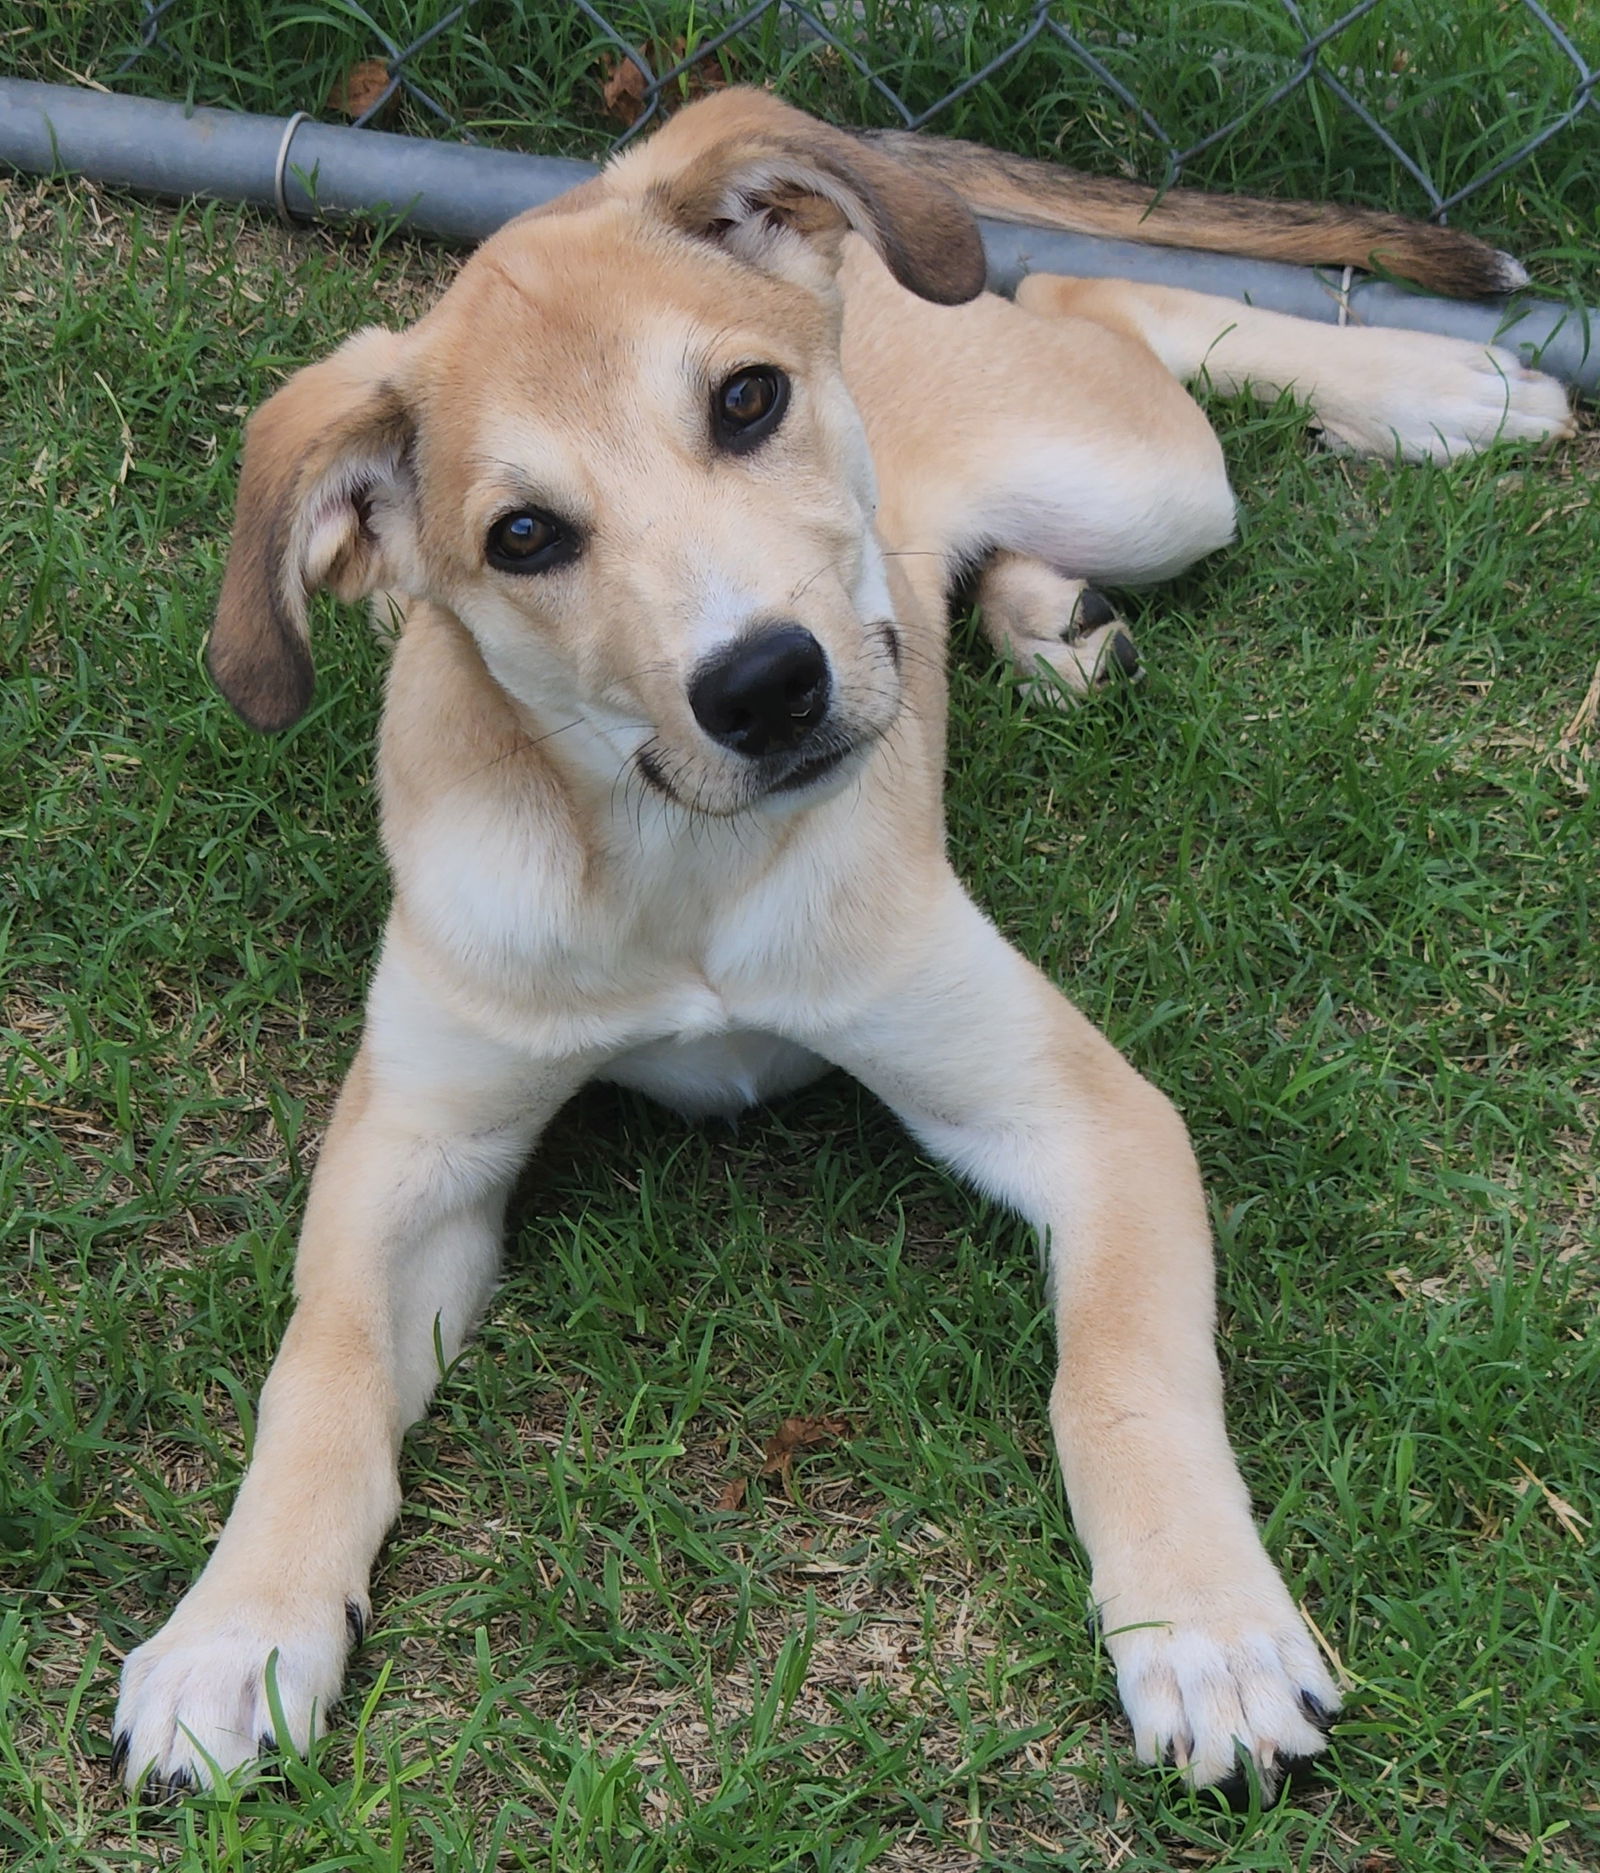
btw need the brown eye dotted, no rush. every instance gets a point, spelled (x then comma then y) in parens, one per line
(747, 407)
(529, 540)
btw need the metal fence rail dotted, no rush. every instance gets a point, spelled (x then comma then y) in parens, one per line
(1165, 90)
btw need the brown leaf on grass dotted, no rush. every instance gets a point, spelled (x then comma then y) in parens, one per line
(732, 1494)
(360, 87)
(624, 88)
(795, 1435)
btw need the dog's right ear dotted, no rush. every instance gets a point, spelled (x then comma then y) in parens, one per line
(319, 504)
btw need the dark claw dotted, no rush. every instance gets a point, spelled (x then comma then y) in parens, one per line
(1126, 653)
(160, 1791)
(1094, 610)
(1316, 1712)
(1298, 1775)
(1284, 1775)
(1233, 1791)
(119, 1754)
(356, 1620)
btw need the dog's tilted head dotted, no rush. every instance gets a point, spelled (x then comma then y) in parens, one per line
(621, 451)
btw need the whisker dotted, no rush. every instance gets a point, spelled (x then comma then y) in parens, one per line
(524, 744)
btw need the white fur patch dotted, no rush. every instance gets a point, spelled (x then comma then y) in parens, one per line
(194, 1701)
(716, 1076)
(1430, 398)
(1199, 1692)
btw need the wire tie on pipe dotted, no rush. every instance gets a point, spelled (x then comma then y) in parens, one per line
(1344, 295)
(280, 172)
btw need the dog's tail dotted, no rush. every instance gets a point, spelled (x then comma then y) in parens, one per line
(1017, 188)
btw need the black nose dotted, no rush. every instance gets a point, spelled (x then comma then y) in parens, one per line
(765, 694)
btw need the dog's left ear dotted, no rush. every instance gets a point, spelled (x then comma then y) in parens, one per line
(745, 170)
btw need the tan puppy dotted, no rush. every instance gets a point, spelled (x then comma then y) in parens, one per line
(670, 487)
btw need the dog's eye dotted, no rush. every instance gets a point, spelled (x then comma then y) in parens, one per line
(529, 541)
(747, 407)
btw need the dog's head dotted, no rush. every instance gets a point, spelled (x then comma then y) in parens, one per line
(621, 451)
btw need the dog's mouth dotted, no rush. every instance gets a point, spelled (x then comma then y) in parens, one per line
(806, 773)
(775, 778)
(835, 744)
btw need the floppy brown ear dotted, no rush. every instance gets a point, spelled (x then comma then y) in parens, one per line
(322, 458)
(740, 163)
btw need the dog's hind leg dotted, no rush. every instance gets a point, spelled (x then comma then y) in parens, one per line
(1073, 502)
(1058, 439)
(399, 1249)
(1371, 391)
(1051, 455)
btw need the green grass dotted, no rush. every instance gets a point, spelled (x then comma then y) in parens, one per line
(1328, 876)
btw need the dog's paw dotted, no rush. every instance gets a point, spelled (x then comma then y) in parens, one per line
(1428, 398)
(195, 1706)
(1088, 648)
(1037, 616)
(1239, 1692)
(1081, 665)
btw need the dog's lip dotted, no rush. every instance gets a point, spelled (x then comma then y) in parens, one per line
(650, 768)
(802, 773)
(813, 768)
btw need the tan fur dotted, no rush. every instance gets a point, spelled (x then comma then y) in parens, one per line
(597, 875)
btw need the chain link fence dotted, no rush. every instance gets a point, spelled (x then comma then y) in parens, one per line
(1416, 104)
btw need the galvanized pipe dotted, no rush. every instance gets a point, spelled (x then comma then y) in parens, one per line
(454, 191)
(460, 192)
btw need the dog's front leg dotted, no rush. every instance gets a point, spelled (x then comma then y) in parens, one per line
(1000, 1076)
(399, 1249)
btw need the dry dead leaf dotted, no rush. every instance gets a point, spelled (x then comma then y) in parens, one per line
(778, 1453)
(1588, 710)
(795, 1435)
(1558, 1506)
(732, 1494)
(624, 88)
(360, 88)
(1405, 1284)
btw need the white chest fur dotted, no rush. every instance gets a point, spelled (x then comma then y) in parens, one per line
(689, 958)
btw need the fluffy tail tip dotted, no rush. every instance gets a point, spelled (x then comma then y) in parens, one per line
(1510, 274)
